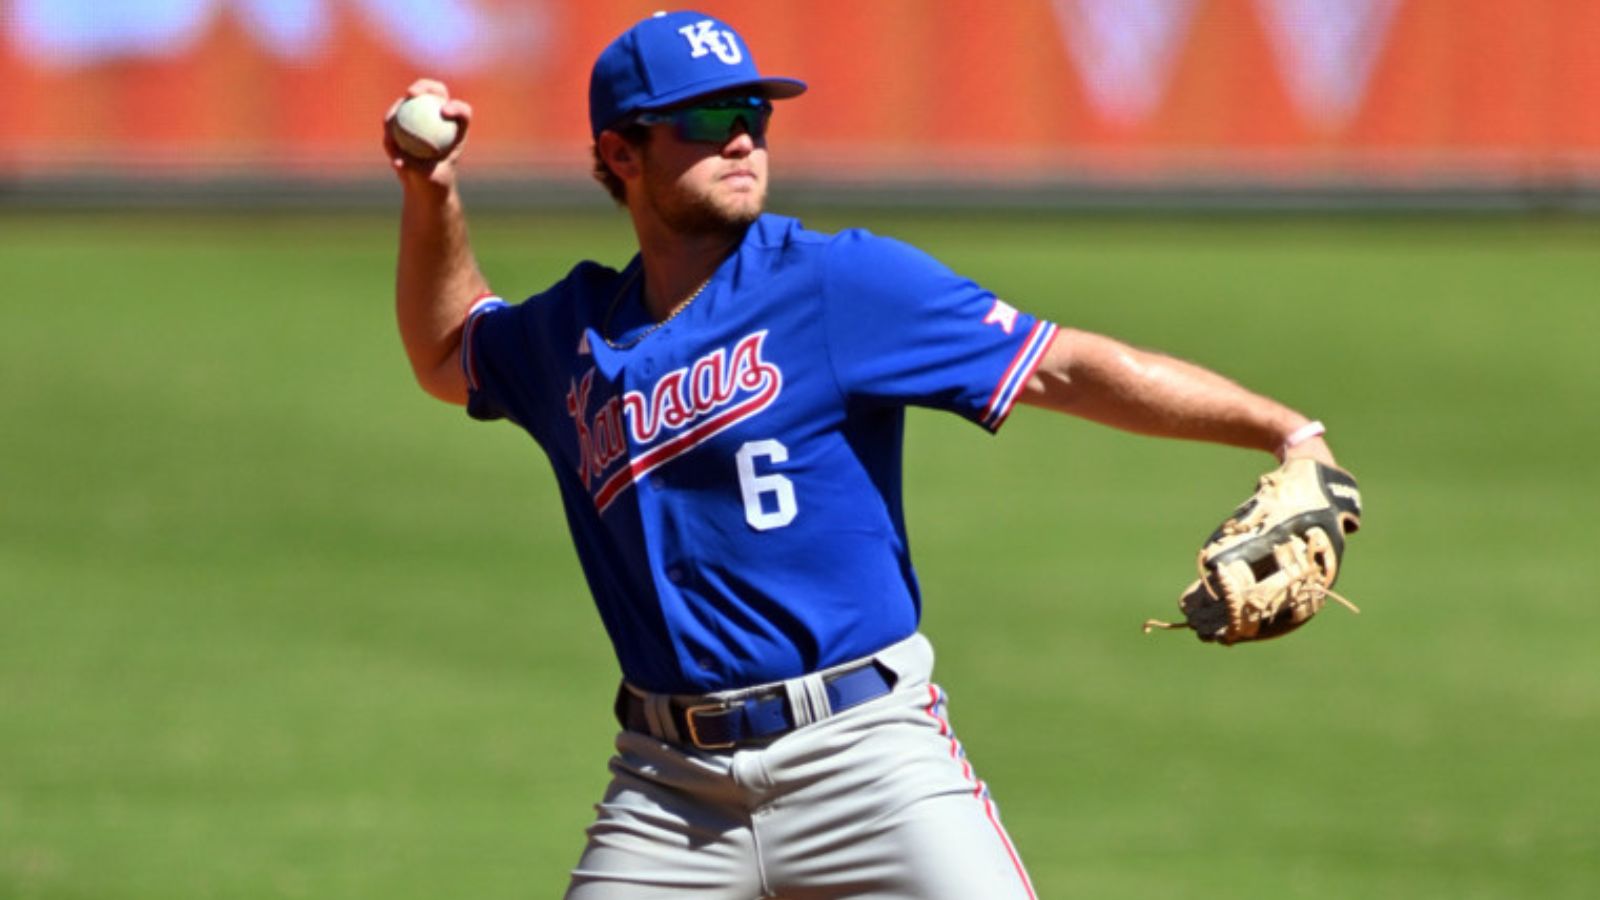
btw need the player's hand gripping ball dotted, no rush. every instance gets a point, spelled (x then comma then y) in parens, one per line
(1267, 570)
(421, 131)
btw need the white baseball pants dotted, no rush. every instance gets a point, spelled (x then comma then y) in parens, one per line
(875, 802)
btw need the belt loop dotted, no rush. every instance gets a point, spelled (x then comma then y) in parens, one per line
(808, 699)
(658, 715)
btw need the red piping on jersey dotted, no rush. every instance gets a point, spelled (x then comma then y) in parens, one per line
(1011, 385)
(469, 365)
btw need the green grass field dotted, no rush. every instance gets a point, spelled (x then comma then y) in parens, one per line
(274, 624)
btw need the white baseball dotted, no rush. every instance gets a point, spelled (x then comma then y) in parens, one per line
(420, 130)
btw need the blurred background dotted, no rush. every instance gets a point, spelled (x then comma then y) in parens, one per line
(1438, 103)
(275, 624)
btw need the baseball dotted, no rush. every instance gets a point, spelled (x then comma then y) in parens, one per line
(420, 130)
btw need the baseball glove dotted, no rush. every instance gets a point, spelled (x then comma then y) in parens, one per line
(1268, 569)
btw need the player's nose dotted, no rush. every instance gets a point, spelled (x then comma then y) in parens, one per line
(740, 142)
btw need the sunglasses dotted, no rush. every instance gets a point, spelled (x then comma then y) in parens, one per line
(714, 122)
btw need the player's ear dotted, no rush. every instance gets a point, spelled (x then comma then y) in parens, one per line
(622, 157)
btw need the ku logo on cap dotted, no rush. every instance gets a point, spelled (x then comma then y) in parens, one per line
(704, 37)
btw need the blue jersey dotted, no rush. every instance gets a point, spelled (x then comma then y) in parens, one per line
(731, 477)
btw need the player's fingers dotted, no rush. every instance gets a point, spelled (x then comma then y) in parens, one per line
(427, 86)
(460, 110)
(416, 89)
(403, 163)
(442, 170)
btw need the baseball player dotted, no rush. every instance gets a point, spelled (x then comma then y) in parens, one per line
(724, 415)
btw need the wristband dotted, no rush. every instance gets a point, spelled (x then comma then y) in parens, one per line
(1300, 435)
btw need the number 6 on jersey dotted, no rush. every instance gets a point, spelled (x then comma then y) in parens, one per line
(756, 487)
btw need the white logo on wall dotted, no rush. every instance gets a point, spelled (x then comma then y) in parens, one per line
(1124, 50)
(1327, 52)
(704, 37)
(444, 35)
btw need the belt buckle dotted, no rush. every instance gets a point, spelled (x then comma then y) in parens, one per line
(689, 714)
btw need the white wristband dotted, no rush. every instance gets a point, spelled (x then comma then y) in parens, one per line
(1300, 435)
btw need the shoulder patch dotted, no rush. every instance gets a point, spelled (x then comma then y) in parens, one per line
(1002, 314)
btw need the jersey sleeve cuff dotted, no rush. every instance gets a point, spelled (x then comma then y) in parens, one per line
(1029, 355)
(484, 303)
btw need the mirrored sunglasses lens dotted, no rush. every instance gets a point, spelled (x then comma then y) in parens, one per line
(717, 124)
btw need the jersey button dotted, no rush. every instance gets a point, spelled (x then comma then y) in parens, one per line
(675, 575)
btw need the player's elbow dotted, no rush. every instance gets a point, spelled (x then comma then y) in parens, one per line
(456, 395)
(442, 380)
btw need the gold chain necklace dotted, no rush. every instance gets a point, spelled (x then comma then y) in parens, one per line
(605, 326)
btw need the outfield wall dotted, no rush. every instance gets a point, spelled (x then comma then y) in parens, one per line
(1122, 97)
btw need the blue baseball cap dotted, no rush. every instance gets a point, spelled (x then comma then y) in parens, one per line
(670, 58)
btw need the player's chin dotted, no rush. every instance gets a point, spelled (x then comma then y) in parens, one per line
(745, 200)
(717, 212)
(738, 210)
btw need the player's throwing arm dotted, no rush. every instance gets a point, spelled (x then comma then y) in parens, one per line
(437, 277)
